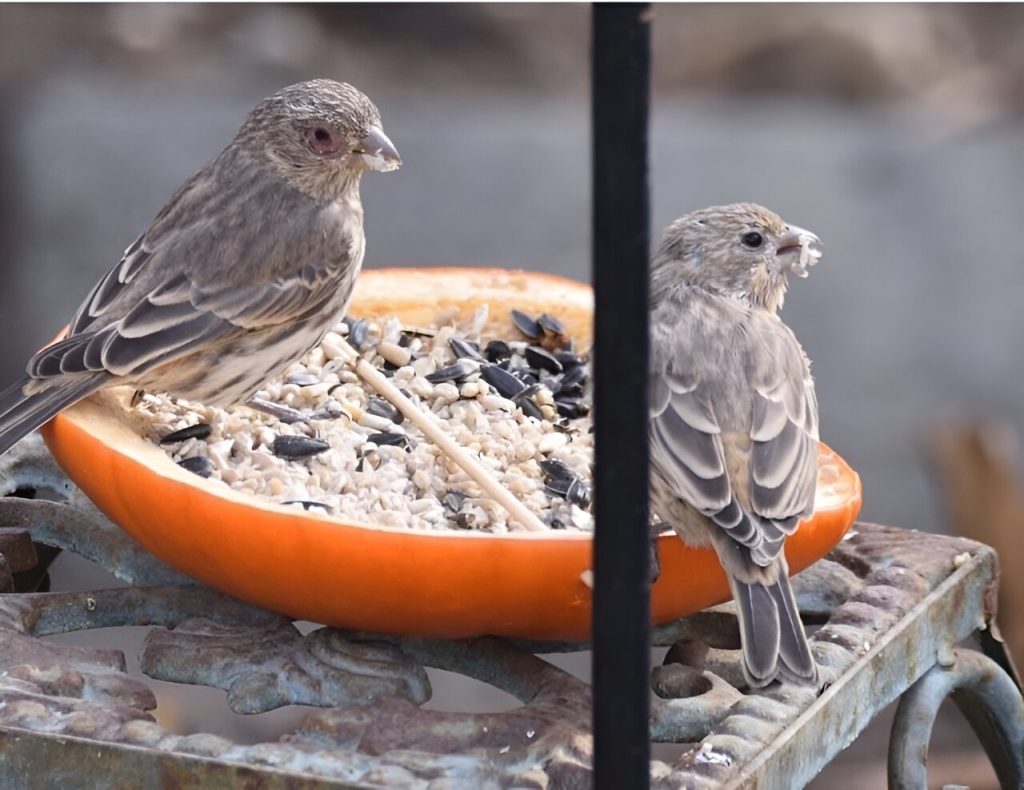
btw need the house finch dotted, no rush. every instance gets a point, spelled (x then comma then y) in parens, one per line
(734, 418)
(240, 274)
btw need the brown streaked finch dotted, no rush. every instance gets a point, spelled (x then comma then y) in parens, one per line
(734, 417)
(243, 271)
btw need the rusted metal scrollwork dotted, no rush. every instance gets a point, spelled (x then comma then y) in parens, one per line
(891, 605)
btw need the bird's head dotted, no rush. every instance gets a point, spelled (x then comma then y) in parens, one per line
(741, 250)
(321, 134)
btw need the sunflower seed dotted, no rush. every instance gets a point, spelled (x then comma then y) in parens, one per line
(550, 325)
(525, 375)
(302, 379)
(463, 349)
(578, 493)
(530, 409)
(198, 431)
(285, 414)
(541, 359)
(507, 385)
(358, 333)
(497, 350)
(387, 438)
(572, 382)
(308, 504)
(453, 499)
(199, 465)
(556, 470)
(527, 325)
(457, 372)
(298, 446)
(569, 407)
(568, 359)
(381, 408)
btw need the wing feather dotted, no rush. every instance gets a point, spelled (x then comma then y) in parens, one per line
(167, 293)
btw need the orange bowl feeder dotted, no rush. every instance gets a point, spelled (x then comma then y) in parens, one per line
(323, 568)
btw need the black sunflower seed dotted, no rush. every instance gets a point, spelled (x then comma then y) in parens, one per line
(572, 382)
(556, 470)
(497, 350)
(578, 493)
(568, 407)
(541, 359)
(457, 372)
(381, 408)
(530, 409)
(308, 504)
(298, 446)
(453, 499)
(525, 375)
(507, 385)
(358, 332)
(302, 379)
(527, 325)
(568, 359)
(198, 431)
(550, 325)
(199, 465)
(463, 349)
(388, 438)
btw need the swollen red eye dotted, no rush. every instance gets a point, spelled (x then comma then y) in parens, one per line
(323, 141)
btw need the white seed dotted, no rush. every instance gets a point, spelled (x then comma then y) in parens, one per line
(394, 353)
(334, 346)
(495, 402)
(551, 442)
(446, 392)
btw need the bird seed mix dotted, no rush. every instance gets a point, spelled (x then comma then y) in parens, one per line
(318, 437)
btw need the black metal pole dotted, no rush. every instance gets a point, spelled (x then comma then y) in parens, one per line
(620, 82)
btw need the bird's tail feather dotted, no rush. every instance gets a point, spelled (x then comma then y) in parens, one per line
(21, 413)
(773, 638)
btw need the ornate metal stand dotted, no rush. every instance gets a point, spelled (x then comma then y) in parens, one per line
(901, 613)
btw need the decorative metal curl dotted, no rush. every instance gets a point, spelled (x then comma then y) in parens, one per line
(989, 700)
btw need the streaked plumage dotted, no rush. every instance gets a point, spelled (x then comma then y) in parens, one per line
(734, 418)
(241, 273)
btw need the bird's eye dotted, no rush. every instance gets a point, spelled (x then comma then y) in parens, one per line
(752, 240)
(323, 141)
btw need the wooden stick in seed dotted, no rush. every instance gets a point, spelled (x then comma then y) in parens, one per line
(427, 423)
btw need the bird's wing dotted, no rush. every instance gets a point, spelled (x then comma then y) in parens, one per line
(165, 296)
(686, 446)
(784, 430)
(687, 442)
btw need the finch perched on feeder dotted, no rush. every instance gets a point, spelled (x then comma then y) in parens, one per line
(243, 271)
(733, 415)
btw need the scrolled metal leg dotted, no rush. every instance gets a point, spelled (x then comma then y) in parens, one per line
(987, 697)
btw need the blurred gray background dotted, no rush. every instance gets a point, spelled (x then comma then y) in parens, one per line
(895, 132)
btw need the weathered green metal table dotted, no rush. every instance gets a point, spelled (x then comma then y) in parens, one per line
(895, 614)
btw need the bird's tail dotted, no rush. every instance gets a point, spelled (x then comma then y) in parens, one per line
(773, 638)
(21, 413)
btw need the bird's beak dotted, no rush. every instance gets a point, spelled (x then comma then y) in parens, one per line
(798, 249)
(377, 152)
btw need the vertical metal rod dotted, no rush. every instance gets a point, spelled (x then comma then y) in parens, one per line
(620, 84)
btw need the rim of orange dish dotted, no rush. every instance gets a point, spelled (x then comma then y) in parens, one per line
(326, 569)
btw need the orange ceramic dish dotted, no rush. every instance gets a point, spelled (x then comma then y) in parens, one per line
(452, 584)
